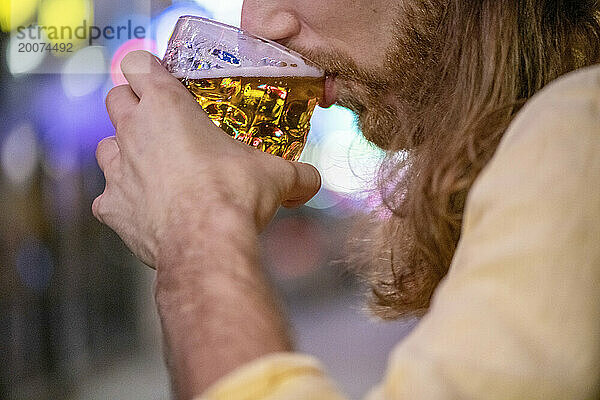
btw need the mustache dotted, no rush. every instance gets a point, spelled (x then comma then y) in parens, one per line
(335, 63)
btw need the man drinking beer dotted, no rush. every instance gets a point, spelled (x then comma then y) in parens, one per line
(495, 214)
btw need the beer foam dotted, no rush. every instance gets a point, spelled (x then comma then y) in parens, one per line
(301, 71)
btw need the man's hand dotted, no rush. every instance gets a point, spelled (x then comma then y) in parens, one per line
(190, 200)
(169, 169)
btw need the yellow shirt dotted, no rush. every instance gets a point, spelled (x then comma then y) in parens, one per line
(518, 315)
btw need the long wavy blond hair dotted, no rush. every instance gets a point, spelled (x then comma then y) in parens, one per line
(481, 60)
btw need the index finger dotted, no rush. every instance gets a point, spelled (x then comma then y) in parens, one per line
(143, 70)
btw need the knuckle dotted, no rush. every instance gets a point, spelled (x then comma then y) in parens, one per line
(100, 151)
(106, 149)
(113, 94)
(97, 208)
(109, 100)
(110, 96)
(104, 144)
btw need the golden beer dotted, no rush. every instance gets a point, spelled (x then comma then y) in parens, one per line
(258, 91)
(270, 113)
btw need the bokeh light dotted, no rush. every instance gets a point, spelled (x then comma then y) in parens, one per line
(19, 154)
(65, 13)
(227, 12)
(135, 20)
(326, 200)
(70, 126)
(347, 162)
(331, 119)
(165, 22)
(84, 72)
(15, 13)
(22, 62)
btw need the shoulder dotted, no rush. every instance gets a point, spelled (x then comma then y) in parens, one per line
(570, 102)
(547, 166)
(559, 126)
(517, 315)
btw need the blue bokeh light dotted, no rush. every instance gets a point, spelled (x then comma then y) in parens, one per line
(69, 126)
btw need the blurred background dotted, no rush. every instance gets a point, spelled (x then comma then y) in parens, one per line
(77, 317)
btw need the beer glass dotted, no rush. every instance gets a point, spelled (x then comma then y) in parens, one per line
(257, 91)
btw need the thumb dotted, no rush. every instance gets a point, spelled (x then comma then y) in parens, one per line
(307, 184)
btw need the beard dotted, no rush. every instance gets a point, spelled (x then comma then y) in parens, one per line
(385, 96)
(407, 100)
(371, 94)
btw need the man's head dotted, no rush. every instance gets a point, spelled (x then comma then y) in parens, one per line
(371, 50)
(441, 79)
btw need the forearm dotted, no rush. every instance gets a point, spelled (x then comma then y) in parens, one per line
(216, 307)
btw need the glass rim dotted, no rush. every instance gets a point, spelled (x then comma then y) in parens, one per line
(246, 33)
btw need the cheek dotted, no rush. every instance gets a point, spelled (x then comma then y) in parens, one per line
(356, 27)
(365, 27)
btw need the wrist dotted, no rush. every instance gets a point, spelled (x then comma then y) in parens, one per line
(216, 308)
(190, 229)
(200, 253)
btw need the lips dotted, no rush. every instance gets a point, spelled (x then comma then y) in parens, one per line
(329, 93)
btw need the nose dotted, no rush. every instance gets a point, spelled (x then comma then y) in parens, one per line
(269, 19)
